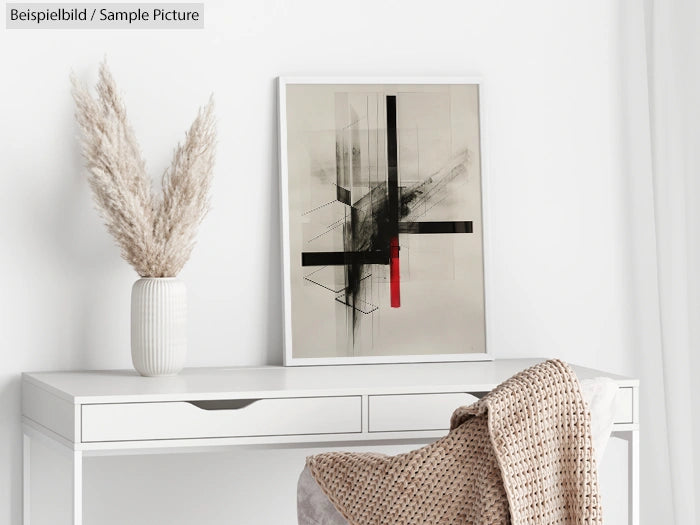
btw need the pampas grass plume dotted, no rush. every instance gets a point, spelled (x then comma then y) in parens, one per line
(155, 233)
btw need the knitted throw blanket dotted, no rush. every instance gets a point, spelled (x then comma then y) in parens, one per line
(520, 455)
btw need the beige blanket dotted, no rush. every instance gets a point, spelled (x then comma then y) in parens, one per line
(520, 455)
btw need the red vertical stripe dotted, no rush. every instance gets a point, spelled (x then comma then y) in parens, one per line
(395, 274)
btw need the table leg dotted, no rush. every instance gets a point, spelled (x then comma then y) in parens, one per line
(26, 483)
(77, 487)
(62, 465)
(633, 473)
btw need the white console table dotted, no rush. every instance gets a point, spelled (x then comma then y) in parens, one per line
(118, 412)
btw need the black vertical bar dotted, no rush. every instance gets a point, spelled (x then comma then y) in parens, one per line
(393, 171)
(353, 269)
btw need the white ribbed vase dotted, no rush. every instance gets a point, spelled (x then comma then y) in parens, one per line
(158, 326)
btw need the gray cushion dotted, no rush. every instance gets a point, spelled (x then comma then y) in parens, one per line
(313, 506)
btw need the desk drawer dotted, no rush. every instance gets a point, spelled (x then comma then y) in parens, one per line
(406, 412)
(221, 418)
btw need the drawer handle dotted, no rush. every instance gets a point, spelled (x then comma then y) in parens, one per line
(223, 404)
(477, 395)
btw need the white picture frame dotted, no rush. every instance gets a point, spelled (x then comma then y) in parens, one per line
(290, 359)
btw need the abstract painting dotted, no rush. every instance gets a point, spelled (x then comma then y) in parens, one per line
(382, 221)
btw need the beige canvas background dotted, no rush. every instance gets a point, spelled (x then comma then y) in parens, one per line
(442, 288)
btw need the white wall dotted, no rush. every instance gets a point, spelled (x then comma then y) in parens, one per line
(560, 205)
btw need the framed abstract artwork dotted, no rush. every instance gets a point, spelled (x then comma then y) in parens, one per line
(382, 220)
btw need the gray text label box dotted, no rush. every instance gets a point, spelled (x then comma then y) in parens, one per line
(104, 16)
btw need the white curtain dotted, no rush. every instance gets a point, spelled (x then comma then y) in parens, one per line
(671, 457)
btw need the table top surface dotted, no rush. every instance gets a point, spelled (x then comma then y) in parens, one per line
(111, 386)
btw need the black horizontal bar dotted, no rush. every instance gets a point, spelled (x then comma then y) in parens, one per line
(437, 227)
(342, 258)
